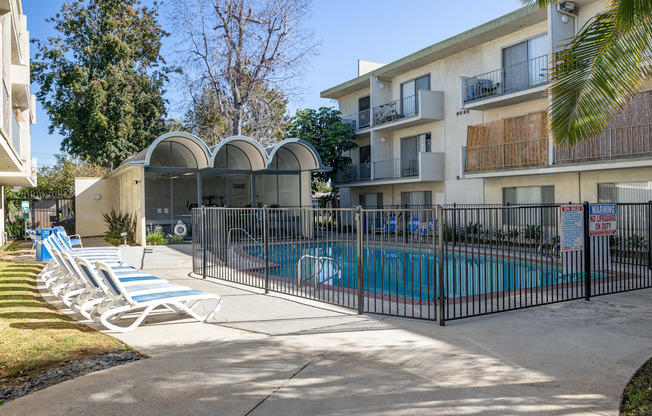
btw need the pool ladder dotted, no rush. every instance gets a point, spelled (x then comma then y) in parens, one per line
(551, 253)
(318, 268)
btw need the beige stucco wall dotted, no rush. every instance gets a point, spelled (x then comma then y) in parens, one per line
(577, 186)
(131, 197)
(88, 210)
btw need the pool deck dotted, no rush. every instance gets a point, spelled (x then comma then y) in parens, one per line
(280, 355)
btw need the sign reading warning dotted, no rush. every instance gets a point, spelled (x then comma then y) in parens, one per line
(602, 219)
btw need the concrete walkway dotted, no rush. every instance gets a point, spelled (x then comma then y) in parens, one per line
(277, 355)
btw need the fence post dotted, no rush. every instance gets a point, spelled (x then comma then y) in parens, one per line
(439, 227)
(587, 254)
(649, 235)
(266, 243)
(360, 273)
(203, 241)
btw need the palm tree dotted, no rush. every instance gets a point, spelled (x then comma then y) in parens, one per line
(599, 70)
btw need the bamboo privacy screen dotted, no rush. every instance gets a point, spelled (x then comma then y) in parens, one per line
(509, 143)
(627, 135)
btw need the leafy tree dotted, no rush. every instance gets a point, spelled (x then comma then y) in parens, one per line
(599, 70)
(59, 179)
(242, 56)
(324, 129)
(101, 79)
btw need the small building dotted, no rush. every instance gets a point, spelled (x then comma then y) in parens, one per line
(178, 172)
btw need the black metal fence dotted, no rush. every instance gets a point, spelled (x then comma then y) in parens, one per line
(436, 263)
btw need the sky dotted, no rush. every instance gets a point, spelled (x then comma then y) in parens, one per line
(348, 30)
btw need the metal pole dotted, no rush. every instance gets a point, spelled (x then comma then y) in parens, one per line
(359, 230)
(266, 243)
(649, 234)
(203, 241)
(587, 254)
(439, 227)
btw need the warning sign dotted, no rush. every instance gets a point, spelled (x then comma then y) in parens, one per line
(572, 230)
(602, 219)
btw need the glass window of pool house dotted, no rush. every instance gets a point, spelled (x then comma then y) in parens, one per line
(178, 172)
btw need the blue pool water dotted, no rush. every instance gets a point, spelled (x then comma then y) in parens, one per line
(409, 273)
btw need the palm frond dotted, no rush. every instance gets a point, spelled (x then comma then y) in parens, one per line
(540, 3)
(596, 75)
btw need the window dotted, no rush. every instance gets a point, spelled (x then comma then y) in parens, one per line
(525, 64)
(371, 201)
(419, 199)
(409, 92)
(232, 157)
(365, 162)
(529, 195)
(285, 160)
(624, 192)
(364, 105)
(171, 154)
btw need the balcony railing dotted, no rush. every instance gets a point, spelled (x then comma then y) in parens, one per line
(404, 167)
(621, 142)
(354, 173)
(395, 110)
(506, 80)
(358, 120)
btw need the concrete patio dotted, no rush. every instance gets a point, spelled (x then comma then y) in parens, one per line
(278, 355)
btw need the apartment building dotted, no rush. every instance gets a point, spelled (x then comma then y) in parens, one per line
(465, 121)
(17, 167)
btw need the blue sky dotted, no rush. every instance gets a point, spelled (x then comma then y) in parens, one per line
(376, 30)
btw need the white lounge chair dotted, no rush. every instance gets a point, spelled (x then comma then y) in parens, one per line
(123, 301)
(97, 293)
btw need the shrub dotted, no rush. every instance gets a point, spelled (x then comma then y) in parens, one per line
(118, 223)
(175, 239)
(155, 238)
(15, 229)
(114, 237)
(532, 232)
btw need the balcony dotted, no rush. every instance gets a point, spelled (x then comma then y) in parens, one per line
(623, 142)
(424, 107)
(425, 166)
(405, 167)
(359, 120)
(521, 143)
(506, 86)
(354, 173)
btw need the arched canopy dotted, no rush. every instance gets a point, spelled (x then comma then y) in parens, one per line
(239, 153)
(295, 152)
(177, 149)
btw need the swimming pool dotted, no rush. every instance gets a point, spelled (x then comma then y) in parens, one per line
(408, 272)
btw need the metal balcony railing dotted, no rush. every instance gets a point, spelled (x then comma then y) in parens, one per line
(358, 120)
(622, 142)
(404, 167)
(354, 173)
(506, 80)
(394, 110)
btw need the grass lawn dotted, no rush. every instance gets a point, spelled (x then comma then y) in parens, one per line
(35, 334)
(637, 397)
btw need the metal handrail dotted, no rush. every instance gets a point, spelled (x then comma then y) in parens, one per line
(556, 246)
(319, 261)
(228, 238)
